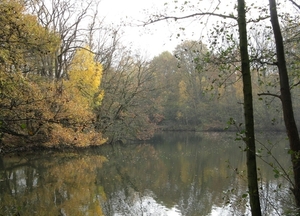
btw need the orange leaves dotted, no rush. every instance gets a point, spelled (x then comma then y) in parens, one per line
(45, 112)
(72, 119)
(72, 137)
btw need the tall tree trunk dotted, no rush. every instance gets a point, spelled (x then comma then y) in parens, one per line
(286, 100)
(248, 112)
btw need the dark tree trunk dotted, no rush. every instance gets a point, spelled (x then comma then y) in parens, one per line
(286, 100)
(248, 113)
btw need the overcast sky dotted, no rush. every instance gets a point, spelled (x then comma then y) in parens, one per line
(161, 36)
(152, 39)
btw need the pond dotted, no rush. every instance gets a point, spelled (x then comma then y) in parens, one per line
(173, 174)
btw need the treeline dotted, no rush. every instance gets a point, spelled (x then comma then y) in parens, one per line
(202, 90)
(64, 82)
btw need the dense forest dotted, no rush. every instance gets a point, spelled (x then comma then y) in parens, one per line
(64, 82)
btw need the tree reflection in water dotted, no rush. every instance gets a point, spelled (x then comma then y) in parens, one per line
(174, 174)
(50, 184)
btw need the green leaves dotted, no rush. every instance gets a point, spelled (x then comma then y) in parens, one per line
(244, 195)
(277, 174)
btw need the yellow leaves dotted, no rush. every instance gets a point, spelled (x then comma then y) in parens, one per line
(46, 111)
(80, 93)
(85, 73)
(84, 78)
(60, 112)
(32, 105)
(98, 211)
(98, 98)
(183, 97)
(71, 137)
(102, 193)
(23, 39)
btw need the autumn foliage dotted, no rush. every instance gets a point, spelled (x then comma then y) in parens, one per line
(37, 109)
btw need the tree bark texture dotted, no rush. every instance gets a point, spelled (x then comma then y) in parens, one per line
(286, 100)
(248, 112)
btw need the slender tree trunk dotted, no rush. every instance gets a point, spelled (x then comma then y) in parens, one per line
(248, 112)
(286, 100)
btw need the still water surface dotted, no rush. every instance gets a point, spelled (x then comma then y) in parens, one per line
(174, 174)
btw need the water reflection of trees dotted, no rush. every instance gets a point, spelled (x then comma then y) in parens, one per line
(189, 172)
(51, 185)
(178, 174)
(183, 174)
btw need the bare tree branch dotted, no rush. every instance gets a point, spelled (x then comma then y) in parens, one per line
(295, 4)
(294, 85)
(269, 94)
(158, 18)
(258, 60)
(161, 18)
